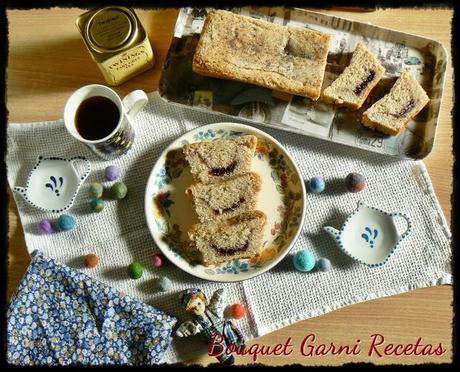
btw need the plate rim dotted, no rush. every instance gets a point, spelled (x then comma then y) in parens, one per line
(275, 261)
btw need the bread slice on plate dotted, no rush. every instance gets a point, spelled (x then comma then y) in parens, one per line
(217, 201)
(391, 113)
(283, 58)
(213, 161)
(238, 237)
(355, 83)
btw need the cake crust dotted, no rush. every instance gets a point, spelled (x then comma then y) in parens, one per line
(391, 113)
(220, 200)
(218, 160)
(357, 80)
(283, 58)
(234, 238)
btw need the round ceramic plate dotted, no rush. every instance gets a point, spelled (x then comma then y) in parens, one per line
(170, 214)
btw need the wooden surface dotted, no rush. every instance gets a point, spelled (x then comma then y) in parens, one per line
(47, 61)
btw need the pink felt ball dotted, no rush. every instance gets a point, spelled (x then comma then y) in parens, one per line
(157, 260)
(355, 182)
(237, 311)
(45, 227)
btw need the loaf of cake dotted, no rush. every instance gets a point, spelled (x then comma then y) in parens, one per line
(213, 161)
(283, 58)
(226, 199)
(356, 81)
(234, 238)
(391, 113)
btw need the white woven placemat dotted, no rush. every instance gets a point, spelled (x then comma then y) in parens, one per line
(119, 234)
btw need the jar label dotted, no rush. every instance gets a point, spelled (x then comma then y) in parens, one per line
(128, 63)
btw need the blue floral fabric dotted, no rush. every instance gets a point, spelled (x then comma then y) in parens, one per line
(60, 316)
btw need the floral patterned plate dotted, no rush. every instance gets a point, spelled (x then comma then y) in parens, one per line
(170, 214)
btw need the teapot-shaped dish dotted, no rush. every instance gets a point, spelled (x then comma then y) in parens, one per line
(369, 235)
(53, 183)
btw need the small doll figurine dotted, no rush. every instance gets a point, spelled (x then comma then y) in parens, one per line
(209, 321)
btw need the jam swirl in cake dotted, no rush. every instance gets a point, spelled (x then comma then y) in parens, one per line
(231, 208)
(220, 159)
(407, 108)
(359, 89)
(230, 251)
(222, 171)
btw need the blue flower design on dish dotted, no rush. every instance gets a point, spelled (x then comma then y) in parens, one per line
(370, 235)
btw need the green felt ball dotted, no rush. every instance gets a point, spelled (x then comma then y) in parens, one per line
(118, 190)
(97, 205)
(96, 189)
(135, 270)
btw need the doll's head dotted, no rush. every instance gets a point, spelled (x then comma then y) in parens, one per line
(194, 301)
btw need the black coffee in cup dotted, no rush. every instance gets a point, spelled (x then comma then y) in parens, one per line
(96, 117)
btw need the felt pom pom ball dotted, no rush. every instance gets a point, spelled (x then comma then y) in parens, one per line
(317, 185)
(45, 227)
(66, 222)
(91, 260)
(97, 205)
(157, 260)
(323, 264)
(237, 311)
(355, 182)
(135, 270)
(112, 173)
(118, 190)
(163, 284)
(96, 190)
(304, 261)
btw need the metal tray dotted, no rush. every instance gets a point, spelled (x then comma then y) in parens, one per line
(396, 50)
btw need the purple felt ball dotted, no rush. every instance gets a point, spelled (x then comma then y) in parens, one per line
(112, 173)
(355, 182)
(45, 227)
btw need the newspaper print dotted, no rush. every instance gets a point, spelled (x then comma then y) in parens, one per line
(395, 50)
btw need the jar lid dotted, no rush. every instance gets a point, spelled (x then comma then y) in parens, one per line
(110, 28)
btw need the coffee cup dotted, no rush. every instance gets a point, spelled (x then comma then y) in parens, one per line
(96, 116)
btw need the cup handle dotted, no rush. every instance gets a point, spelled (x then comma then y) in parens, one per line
(134, 102)
(408, 221)
(82, 174)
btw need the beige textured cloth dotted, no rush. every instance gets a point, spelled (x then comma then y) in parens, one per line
(277, 298)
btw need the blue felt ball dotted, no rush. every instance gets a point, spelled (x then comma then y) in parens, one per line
(112, 173)
(323, 264)
(317, 185)
(66, 222)
(163, 284)
(304, 261)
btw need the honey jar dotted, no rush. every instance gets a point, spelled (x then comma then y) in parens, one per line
(117, 42)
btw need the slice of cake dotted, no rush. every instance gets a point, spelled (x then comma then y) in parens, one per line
(284, 58)
(391, 114)
(226, 199)
(220, 159)
(238, 237)
(355, 83)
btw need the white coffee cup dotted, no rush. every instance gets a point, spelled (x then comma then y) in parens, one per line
(120, 140)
